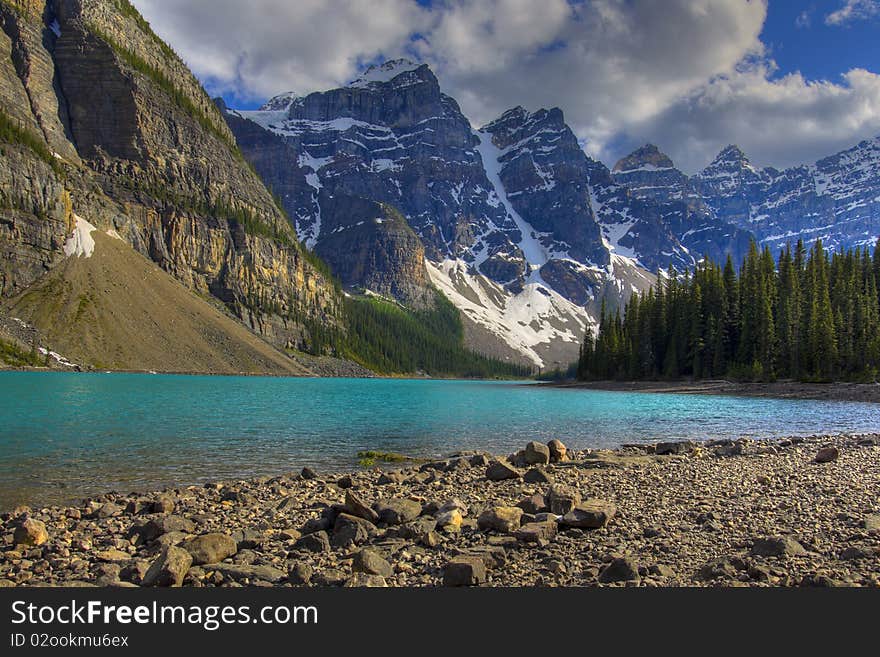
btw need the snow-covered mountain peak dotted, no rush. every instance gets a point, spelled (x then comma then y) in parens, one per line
(648, 157)
(386, 72)
(280, 103)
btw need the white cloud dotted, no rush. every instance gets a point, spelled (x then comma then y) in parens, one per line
(853, 10)
(804, 19)
(689, 75)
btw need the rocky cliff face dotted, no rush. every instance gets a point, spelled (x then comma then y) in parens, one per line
(836, 199)
(125, 136)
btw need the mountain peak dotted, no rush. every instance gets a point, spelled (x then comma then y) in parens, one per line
(280, 103)
(731, 154)
(382, 73)
(648, 156)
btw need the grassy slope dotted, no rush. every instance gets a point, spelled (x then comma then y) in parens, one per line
(118, 310)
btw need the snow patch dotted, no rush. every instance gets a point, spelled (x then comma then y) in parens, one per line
(384, 73)
(80, 242)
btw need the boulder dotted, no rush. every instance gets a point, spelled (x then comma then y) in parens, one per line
(562, 499)
(211, 548)
(30, 532)
(536, 453)
(500, 469)
(169, 568)
(251, 573)
(397, 511)
(534, 532)
(355, 506)
(317, 541)
(351, 530)
(308, 473)
(777, 546)
(112, 556)
(300, 574)
(163, 504)
(370, 562)
(450, 521)
(504, 519)
(591, 514)
(621, 569)
(154, 528)
(827, 455)
(345, 482)
(464, 571)
(537, 476)
(533, 504)
(558, 451)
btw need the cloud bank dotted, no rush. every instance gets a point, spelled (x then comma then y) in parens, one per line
(689, 75)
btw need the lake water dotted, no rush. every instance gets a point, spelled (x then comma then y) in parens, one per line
(65, 436)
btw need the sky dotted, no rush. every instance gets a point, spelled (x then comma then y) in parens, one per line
(789, 82)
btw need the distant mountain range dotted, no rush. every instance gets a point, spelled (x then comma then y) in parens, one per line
(388, 182)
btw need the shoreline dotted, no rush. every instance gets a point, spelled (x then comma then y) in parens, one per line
(838, 391)
(723, 513)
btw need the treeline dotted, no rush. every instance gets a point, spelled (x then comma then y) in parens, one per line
(389, 339)
(806, 315)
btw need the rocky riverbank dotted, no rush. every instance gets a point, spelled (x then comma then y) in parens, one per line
(791, 512)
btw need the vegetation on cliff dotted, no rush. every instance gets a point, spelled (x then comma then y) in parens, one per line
(809, 316)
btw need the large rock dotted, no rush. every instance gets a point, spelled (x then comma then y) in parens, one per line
(351, 530)
(211, 548)
(562, 499)
(777, 546)
(450, 521)
(397, 511)
(169, 568)
(365, 580)
(503, 519)
(317, 541)
(370, 562)
(536, 453)
(620, 570)
(533, 504)
(558, 451)
(591, 514)
(500, 469)
(355, 506)
(153, 529)
(249, 572)
(827, 455)
(535, 532)
(681, 447)
(30, 532)
(464, 571)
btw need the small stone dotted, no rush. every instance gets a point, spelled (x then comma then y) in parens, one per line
(169, 568)
(107, 510)
(308, 473)
(393, 477)
(534, 532)
(351, 530)
(500, 469)
(397, 511)
(163, 504)
(827, 455)
(661, 570)
(537, 476)
(777, 546)
(30, 532)
(300, 574)
(249, 572)
(450, 521)
(558, 451)
(562, 499)
(370, 562)
(315, 542)
(872, 523)
(536, 453)
(112, 556)
(464, 571)
(534, 504)
(211, 548)
(355, 506)
(504, 519)
(620, 570)
(591, 514)
(365, 580)
(345, 482)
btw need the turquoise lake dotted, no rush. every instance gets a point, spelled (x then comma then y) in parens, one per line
(65, 436)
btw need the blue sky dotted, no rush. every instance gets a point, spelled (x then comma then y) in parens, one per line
(789, 82)
(799, 39)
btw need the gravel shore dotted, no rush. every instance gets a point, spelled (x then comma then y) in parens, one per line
(790, 512)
